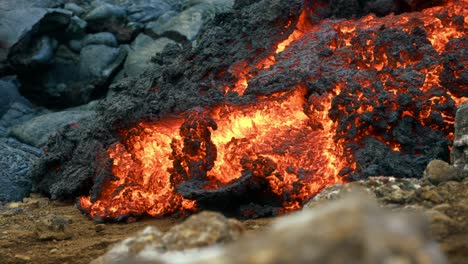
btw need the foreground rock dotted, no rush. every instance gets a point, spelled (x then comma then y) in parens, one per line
(350, 230)
(201, 230)
(444, 203)
(459, 154)
(16, 159)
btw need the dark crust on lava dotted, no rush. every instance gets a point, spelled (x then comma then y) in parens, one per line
(76, 163)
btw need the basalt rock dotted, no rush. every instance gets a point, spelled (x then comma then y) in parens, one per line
(75, 79)
(37, 131)
(16, 160)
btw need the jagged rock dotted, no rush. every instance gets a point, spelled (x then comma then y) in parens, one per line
(16, 160)
(201, 230)
(53, 227)
(37, 130)
(101, 38)
(30, 35)
(140, 53)
(459, 154)
(438, 171)
(14, 24)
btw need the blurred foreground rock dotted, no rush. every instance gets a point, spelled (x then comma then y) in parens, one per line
(459, 154)
(201, 230)
(351, 230)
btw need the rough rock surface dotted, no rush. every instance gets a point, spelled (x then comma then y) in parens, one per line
(37, 131)
(351, 230)
(201, 230)
(16, 159)
(438, 171)
(459, 154)
(445, 204)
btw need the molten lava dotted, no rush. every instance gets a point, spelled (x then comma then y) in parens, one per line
(306, 140)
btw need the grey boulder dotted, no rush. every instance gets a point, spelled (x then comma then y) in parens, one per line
(101, 38)
(16, 159)
(37, 131)
(110, 18)
(140, 53)
(74, 79)
(459, 154)
(143, 11)
(28, 35)
(186, 25)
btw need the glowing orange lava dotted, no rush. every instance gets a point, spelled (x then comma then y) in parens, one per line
(293, 129)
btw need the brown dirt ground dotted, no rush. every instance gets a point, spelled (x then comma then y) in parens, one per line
(19, 244)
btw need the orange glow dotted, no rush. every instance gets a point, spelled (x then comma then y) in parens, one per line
(294, 129)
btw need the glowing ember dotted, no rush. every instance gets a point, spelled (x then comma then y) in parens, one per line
(306, 139)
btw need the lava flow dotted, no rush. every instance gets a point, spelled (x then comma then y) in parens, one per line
(354, 85)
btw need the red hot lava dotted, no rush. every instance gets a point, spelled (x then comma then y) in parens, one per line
(297, 132)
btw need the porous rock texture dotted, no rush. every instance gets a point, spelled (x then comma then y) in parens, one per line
(16, 159)
(350, 230)
(201, 230)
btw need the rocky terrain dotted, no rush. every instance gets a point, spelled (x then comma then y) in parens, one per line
(59, 58)
(67, 65)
